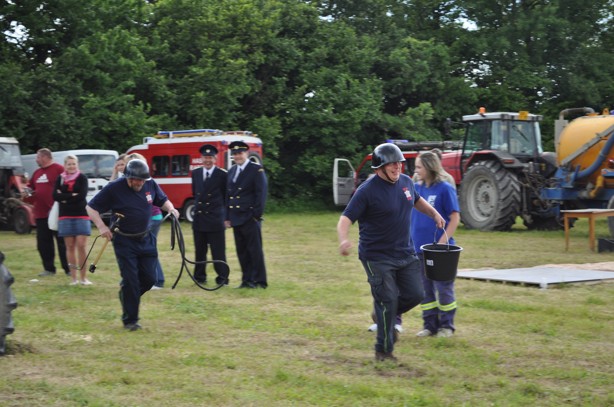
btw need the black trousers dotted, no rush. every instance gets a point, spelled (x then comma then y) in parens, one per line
(137, 260)
(46, 248)
(248, 240)
(217, 241)
(396, 286)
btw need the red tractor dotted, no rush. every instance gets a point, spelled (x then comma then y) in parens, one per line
(503, 172)
(14, 212)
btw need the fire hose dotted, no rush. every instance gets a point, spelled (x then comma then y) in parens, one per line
(176, 235)
(93, 265)
(113, 227)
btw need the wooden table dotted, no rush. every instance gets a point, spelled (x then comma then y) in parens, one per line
(591, 214)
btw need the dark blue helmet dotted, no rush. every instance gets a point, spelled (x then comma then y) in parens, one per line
(137, 169)
(385, 154)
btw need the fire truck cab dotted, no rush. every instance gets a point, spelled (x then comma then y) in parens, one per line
(172, 155)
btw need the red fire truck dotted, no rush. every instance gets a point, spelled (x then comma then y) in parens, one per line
(172, 155)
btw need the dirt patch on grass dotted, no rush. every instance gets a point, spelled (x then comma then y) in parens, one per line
(16, 348)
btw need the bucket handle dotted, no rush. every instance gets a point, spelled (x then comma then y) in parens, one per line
(445, 233)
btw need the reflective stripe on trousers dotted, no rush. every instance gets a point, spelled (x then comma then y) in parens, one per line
(396, 287)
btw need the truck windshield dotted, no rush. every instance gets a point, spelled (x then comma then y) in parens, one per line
(96, 165)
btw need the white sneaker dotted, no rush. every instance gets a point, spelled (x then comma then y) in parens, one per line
(397, 327)
(155, 287)
(86, 282)
(445, 333)
(424, 332)
(75, 282)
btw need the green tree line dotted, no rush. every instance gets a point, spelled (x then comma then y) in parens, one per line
(314, 79)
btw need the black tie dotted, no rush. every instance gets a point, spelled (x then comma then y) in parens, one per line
(206, 175)
(238, 173)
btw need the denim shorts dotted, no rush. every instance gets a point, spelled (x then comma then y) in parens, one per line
(74, 227)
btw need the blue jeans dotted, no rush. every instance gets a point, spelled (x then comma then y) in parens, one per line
(155, 229)
(396, 286)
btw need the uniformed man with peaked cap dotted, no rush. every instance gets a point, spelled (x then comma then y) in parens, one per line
(246, 197)
(209, 191)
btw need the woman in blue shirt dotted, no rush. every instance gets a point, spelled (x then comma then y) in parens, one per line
(439, 303)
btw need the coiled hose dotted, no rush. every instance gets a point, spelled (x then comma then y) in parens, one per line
(177, 234)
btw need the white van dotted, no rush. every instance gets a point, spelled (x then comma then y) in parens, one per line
(97, 165)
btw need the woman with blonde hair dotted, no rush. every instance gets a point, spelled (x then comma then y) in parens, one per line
(74, 223)
(118, 168)
(439, 304)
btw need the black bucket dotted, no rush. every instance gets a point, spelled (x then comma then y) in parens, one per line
(441, 261)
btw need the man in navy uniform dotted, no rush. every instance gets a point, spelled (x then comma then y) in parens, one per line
(246, 197)
(209, 191)
(132, 196)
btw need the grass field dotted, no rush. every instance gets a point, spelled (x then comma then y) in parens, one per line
(304, 340)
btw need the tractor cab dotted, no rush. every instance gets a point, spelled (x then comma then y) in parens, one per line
(517, 134)
(14, 213)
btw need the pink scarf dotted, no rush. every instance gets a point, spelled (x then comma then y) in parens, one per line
(70, 177)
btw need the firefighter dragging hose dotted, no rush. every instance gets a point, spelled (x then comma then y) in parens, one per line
(135, 246)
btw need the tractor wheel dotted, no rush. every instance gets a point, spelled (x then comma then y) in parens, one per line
(611, 218)
(188, 210)
(489, 197)
(21, 222)
(7, 304)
